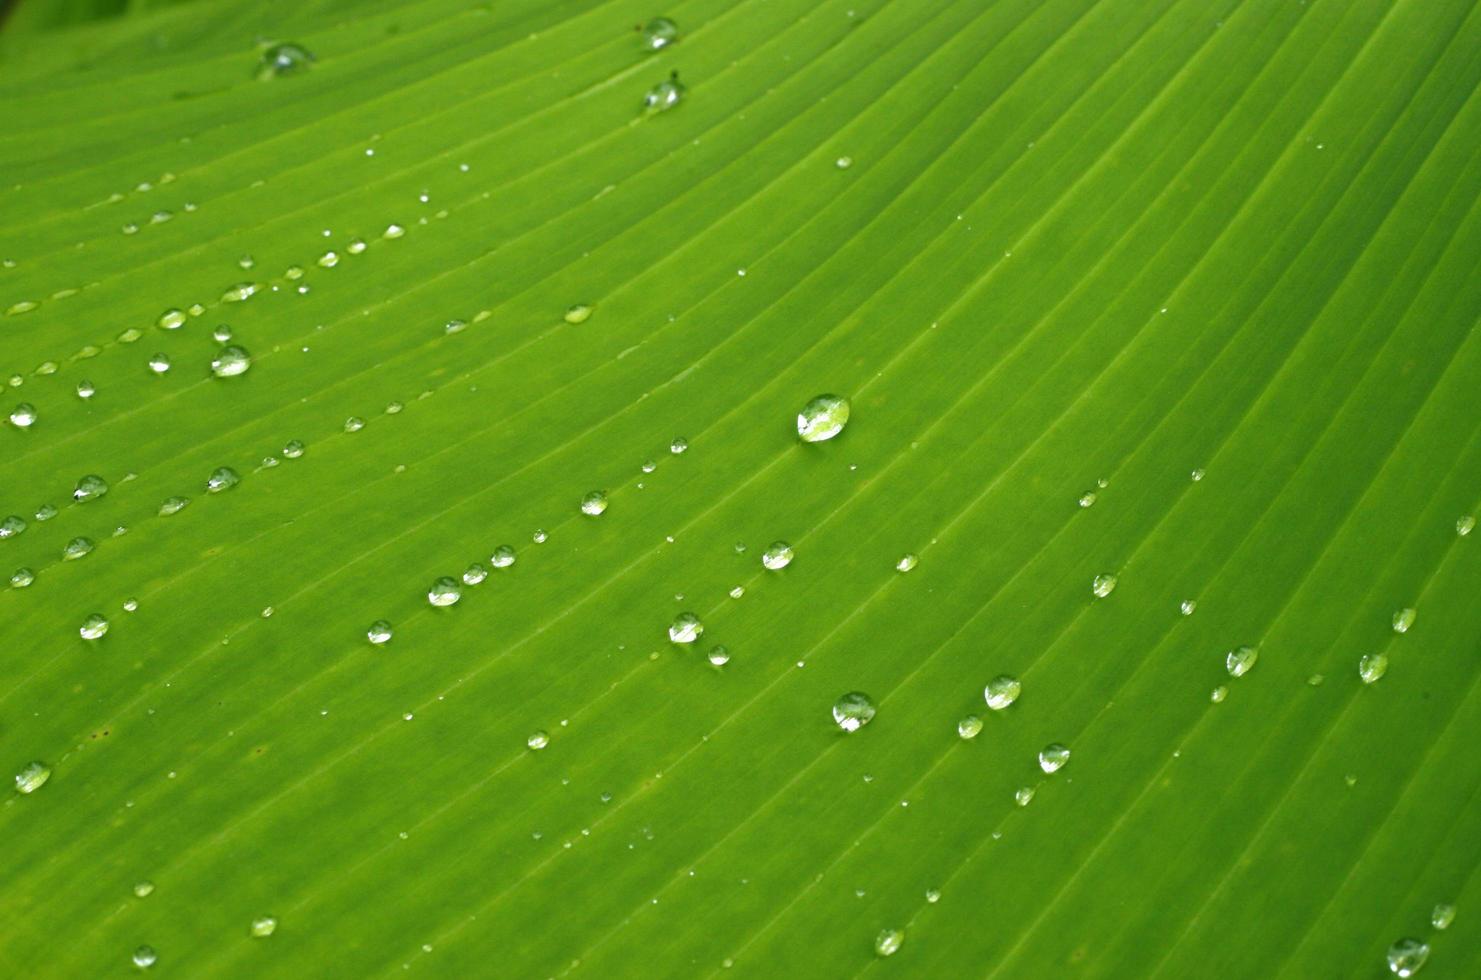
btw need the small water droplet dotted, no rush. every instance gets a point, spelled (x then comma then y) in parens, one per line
(13, 525)
(679, 445)
(230, 362)
(380, 632)
(777, 556)
(538, 740)
(1403, 619)
(1442, 915)
(475, 574)
(1187, 606)
(240, 293)
(354, 423)
(1372, 667)
(686, 628)
(853, 711)
(1024, 795)
(23, 416)
(90, 487)
(1103, 585)
(264, 926)
(969, 727)
(665, 95)
(356, 246)
(1239, 660)
(172, 319)
(737, 592)
(21, 578)
(173, 505)
(130, 604)
(1406, 956)
(1465, 525)
(888, 942)
(393, 231)
(1087, 499)
(444, 592)
(503, 556)
(1053, 756)
(145, 957)
(1218, 694)
(539, 537)
(94, 627)
(77, 548)
(843, 163)
(822, 418)
(45, 512)
(86, 389)
(292, 449)
(159, 363)
(1001, 691)
(594, 503)
(143, 889)
(578, 313)
(283, 59)
(222, 478)
(659, 32)
(906, 562)
(33, 776)
(719, 656)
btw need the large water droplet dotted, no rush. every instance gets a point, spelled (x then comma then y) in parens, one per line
(94, 626)
(77, 548)
(1001, 691)
(1406, 956)
(594, 503)
(686, 628)
(503, 556)
(1053, 756)
(659, 32)
(853, 711)
(665, 95)
(22, 578)
(444, 592)
(23, 416)
(284, 59)
(679, 445)
(777, 556)
(222, 478)
(90, 487)
(230, 362)
(1442, 915)
(1239, 660)
(1371, 667)
(379, 633)
(145, 957)
(1403, 619)
(13, 525)
(888, 942)
(822, 418)
(1103, 585)
(33, 776)
(264, 926)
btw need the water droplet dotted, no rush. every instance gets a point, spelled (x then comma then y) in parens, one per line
(475, 574)
(379, 633)
(222, 478)
(283, 59)
(679, 445)
(665, 95)
(1024, 795)
(1239, 660)
(13, 525)
(90, 487)
(579, 313)
(659, 32)
(843, 163)
(822, 418)
(1053, 756)
(503, 556)
(173, 505)
(719, 656)
(239, 293)
(230, 362)
(23, 416)
(1087, 499)
(130, 604)
(1371, 667)
(33, 776)
(21, 578)
(887, 943)
(1103, 585)
(1218, 694)
(454, 326)
(737, 592)
(264, 926)
(1442, 916)
(172, 319)
(159, 363)
(1187, 606)
(1465, 525)
(356, 246)
(292, 449)
(45, 512)
(143, 889)
(354, 423)
(594, 503)
(853, 711)
(393, 231)
(906, 562)
(1403, 619)
(1406, 956)
(444, 592)
(538, 740)
(94, 626)
(539, 537)
(969, 727)
(145, 957)
(77, 548)
(686, 628)
(1001, 691)
(86, 389)
(222, 333)
(777, 556)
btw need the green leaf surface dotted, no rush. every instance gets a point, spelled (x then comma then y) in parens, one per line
(1182, 292)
